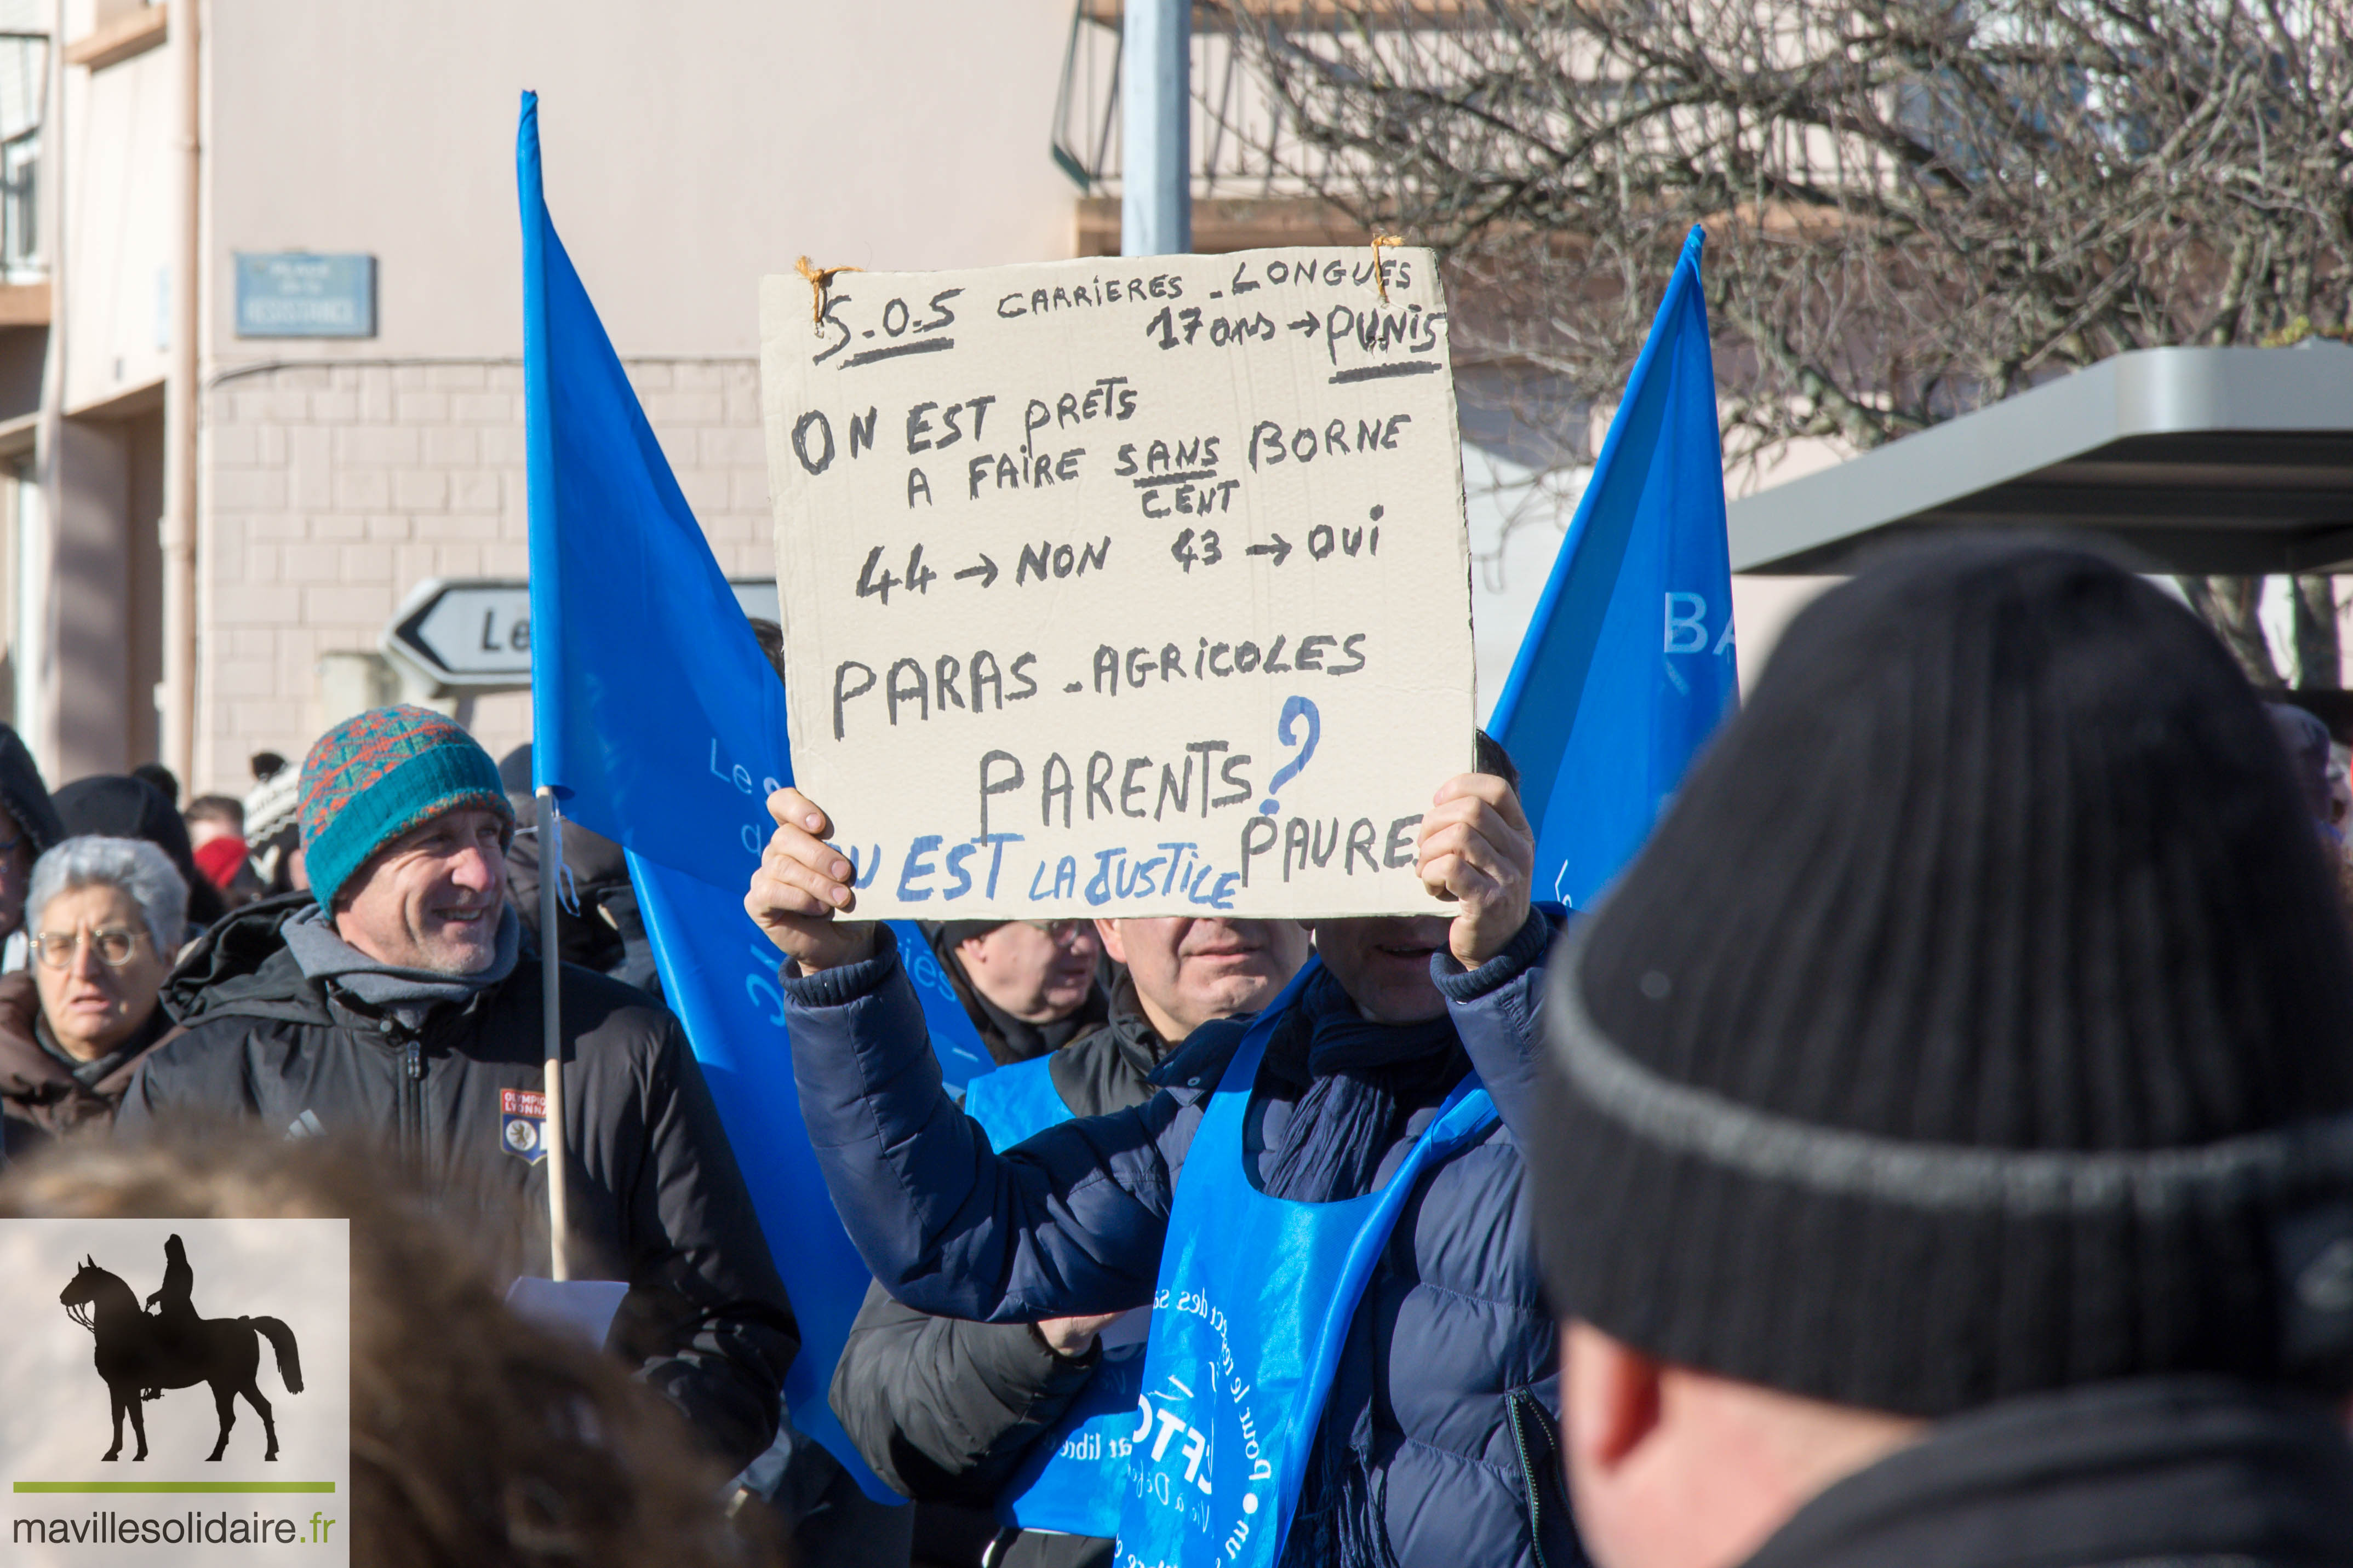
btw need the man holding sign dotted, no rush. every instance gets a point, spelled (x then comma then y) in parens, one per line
(1005, 1427)
(1141, 589)
(1412, 1405)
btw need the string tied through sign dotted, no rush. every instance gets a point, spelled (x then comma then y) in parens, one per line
(821, 277)
(1379, 276)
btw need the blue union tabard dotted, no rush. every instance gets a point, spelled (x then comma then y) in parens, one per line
(1253, 1305)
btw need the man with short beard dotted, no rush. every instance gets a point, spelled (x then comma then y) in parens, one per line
(393, 1000)
(948, 1411)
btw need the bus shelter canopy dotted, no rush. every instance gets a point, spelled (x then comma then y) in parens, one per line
(2236, 460)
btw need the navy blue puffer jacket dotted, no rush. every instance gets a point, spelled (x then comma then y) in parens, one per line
(1436, 1449)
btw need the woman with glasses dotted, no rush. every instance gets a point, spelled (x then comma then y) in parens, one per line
(103, 917)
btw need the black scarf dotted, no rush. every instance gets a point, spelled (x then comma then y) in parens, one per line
(1354, 1085)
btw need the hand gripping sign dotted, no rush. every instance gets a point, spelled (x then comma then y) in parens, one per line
(1126, 586)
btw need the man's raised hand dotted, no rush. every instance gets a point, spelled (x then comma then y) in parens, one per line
(803, 885)
(1071, 1338)
(1476, 850)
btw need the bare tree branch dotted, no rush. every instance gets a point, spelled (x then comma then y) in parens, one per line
(2233, 606)
(1913, 207)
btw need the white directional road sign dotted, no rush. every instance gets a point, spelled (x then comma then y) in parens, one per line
(474, 635)
(468, 636)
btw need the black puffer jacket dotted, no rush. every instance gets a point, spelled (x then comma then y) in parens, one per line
(945, 1411)
(2175, 1472)
(656, 1197)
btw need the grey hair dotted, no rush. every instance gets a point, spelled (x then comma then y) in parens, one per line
(136, 866)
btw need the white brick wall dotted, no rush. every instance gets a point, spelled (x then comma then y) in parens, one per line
(330, 491)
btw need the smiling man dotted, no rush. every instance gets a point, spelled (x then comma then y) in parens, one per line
(391, 1000)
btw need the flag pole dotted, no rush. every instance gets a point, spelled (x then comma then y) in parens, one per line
(546, 615)
(551, 867)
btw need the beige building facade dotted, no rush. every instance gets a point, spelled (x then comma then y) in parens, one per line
(204, 534)
(690, 148)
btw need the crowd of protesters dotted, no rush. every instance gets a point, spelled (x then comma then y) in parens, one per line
(1936, 1150)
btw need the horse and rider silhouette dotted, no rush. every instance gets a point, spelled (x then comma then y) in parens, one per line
(139, 1354)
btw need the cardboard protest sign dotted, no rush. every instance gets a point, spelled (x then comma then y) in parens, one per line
(1125, 586)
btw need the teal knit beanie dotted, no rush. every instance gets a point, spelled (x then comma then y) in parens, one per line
(375, 776)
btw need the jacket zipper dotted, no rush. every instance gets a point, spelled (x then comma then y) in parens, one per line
(412, 1100)
(1521, 1409)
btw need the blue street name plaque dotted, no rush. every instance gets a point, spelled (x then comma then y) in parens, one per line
(294, 294)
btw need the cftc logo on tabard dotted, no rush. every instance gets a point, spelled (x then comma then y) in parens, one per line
(179, 1391)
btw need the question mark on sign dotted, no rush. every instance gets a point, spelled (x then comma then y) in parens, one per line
(1294, 708)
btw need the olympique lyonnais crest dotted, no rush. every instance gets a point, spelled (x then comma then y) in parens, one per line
(523, 1123)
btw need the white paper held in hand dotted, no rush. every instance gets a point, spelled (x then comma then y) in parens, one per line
(573, 1309)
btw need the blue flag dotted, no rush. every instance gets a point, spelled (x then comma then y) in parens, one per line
(658, 722)
(1630, 664)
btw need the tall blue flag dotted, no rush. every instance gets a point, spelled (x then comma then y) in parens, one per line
(1629, 663)
(658, 722)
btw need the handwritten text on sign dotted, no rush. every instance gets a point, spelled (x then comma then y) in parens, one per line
(1123, 587)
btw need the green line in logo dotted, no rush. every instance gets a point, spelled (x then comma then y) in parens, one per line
(175, 1486)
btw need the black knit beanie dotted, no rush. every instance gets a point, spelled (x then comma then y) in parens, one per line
(1980, 1021)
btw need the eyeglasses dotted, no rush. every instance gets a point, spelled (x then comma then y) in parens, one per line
(114, 944)
(1058, 930)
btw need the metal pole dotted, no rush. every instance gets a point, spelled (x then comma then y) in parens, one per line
(1156, 88)
(36, 615)
(551, 865)
(178, 727)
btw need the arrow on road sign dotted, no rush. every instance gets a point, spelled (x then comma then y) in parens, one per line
(467, 636)
(472, 634)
